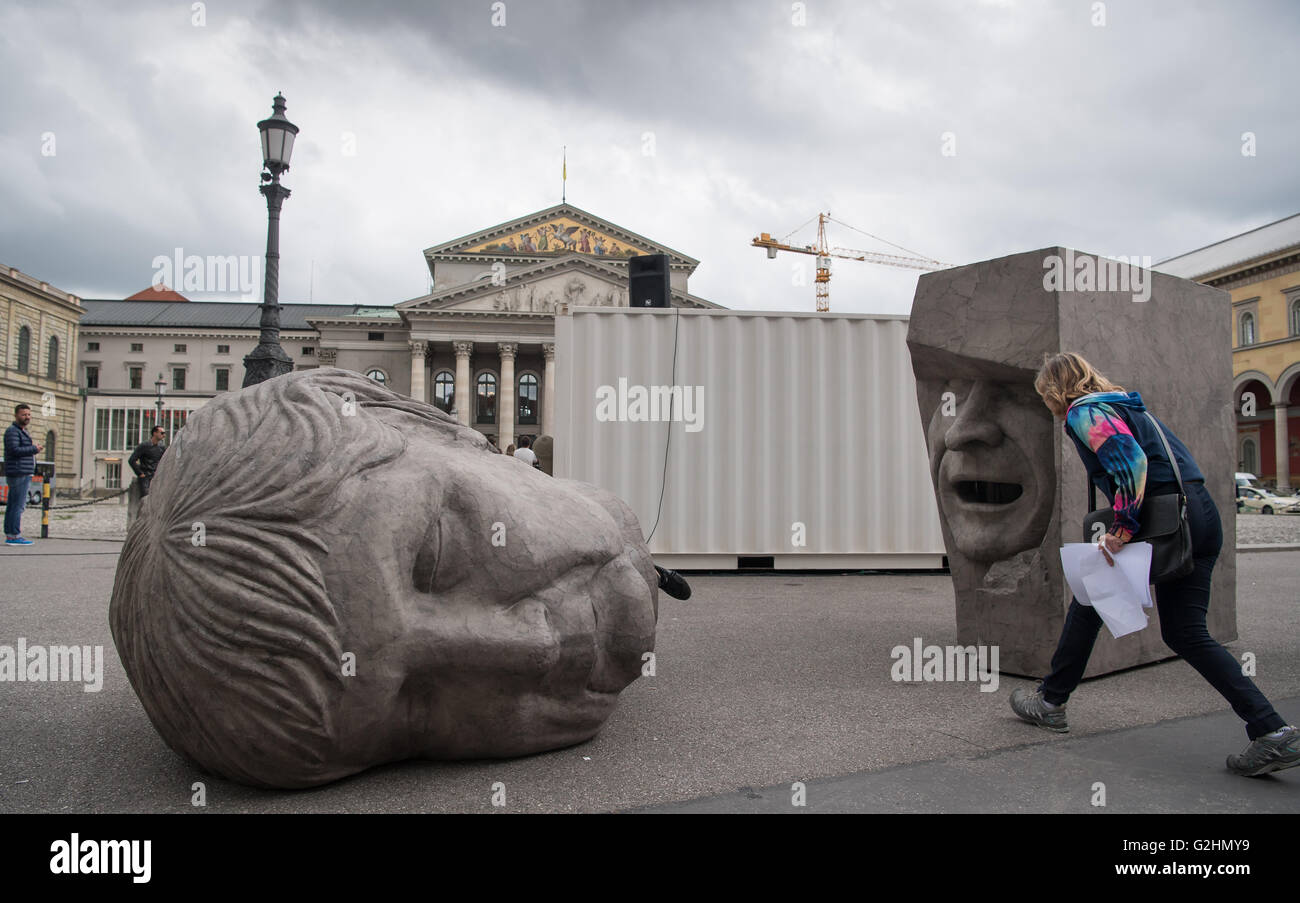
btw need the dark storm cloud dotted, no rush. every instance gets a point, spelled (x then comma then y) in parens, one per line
(1123, 138)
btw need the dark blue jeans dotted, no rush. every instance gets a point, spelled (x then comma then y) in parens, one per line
(1183, 605)
(17, 502)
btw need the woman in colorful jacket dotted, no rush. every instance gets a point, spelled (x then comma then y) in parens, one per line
(1125, 457)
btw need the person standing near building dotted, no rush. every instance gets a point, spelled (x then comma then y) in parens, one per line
(525, 453)
(20, 464)
(144, 460)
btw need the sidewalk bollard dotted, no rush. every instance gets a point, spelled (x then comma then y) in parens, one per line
(46, 470)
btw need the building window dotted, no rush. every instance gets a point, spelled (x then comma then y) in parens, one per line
(1249, 456)
(122, 429)
(528, 398)
(223, 349)
(92, 377)
(137, 377)
(1295, 317)
(444, 390)
(487, 398)
(133, 437)
(178, 378)
(92, 346)
(24, 348)
(374, 336)
(179, 349)
(378, 375)
(137, 347)
(1247, 329)
(308, 351)
(223, 380)
(113, 475)
(52, 359)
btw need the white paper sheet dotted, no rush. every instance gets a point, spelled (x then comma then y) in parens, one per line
(1119, 593)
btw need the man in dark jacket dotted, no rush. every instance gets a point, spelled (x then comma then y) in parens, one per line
(20, 464)
(144, 460)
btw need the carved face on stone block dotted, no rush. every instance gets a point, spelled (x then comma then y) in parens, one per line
(990, 441)
(327, 576)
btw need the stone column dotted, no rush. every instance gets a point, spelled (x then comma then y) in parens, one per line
(1282, 447)
(506, 396)
(327, 356)
(417, 370)
(548, 390)
(464, 399)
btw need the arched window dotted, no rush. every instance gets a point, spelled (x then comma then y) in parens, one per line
(1247, 329)
(52, 360)
(444, 390)
(48, 453)
(528, 398)
(1249, 456)
(24, 348)
(378, 375)
(1295, 317)
(486, 393)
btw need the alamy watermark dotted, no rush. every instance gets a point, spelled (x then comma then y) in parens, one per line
(1086, 273)
(637, 403)
(946, 663)
(191, 273)
(22, 663)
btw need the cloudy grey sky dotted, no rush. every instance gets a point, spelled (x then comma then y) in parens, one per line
(698, 125)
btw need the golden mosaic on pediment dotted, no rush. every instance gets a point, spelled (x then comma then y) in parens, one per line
(561, 235)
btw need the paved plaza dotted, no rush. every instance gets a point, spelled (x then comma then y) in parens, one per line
(761, 681)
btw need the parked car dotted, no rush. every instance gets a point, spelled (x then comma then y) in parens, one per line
(1264, 502)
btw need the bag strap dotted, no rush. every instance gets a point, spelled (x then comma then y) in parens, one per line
(1173, 462)
(1169, 452)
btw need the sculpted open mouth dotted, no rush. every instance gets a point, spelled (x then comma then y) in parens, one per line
(987, 492)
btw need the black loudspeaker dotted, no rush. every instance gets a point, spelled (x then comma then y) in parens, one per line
(647, 281)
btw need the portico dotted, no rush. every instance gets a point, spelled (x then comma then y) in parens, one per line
(481, 342)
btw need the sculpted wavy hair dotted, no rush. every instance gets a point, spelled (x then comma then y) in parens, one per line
(1067, 376)
(233, 646)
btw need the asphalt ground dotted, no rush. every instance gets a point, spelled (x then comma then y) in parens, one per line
(761, 681)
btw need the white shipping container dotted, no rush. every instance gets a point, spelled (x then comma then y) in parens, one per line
(732, 434)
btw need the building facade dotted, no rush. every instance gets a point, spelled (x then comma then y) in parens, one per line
(38, 365)
(157, 357)
(479, 345)
(1260, 269)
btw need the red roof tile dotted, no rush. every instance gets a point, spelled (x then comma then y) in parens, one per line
(159, 292)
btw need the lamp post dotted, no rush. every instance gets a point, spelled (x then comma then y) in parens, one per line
(268, 359)
(159, 386)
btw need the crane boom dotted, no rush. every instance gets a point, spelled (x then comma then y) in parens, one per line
(824, 253)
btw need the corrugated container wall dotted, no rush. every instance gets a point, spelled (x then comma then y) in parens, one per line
(794, 436)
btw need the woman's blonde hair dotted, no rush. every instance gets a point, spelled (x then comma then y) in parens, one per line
(1067, 376)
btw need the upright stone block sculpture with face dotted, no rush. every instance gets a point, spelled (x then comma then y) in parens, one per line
(327, 576)
(1010, 485)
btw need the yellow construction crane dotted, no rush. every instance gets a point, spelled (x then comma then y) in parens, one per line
(823, 252)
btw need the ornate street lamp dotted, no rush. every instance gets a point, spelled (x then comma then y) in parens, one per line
(160, 385)
(268, 359)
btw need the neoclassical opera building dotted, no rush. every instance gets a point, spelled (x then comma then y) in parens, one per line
(481, 343)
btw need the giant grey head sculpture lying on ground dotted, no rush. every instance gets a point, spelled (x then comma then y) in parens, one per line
(327, 576)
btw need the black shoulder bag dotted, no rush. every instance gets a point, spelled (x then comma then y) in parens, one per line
(1163, 523)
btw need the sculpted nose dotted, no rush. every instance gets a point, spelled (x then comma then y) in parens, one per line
(975, 421)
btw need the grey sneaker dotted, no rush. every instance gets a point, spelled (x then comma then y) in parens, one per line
(1265, 756)
(1031, 708)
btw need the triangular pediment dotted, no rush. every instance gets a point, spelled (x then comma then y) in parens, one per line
(556, 232)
